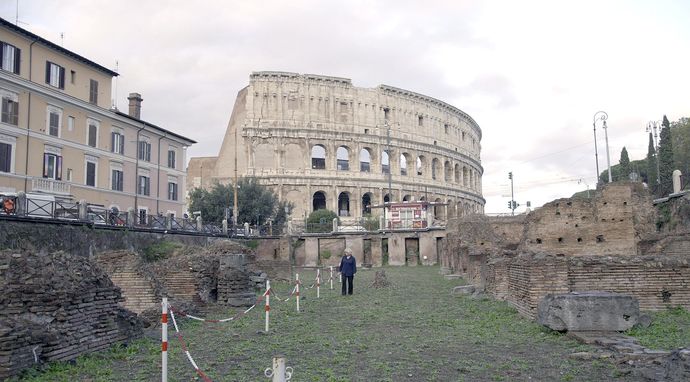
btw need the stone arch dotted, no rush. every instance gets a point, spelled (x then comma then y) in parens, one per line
(447, 171)
(365, 160)
(294, 156)
(420, 165)
(344, 204)
(458, 209)
(435, 169)
(318, 201)
(439, 210)
(465, 176)
(407, 198)
(456, 173)
(404, 160)
(318, 157)
(264, 156)
(342, 158)
(367, 201)
(385, 162)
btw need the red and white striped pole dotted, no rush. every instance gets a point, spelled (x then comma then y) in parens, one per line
(164, 340)
(268, 305)
(331, 277)
(297, 290)
(318, 282)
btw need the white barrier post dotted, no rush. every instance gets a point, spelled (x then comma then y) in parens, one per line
(297, 292)
(318, 283)
(164, 340)
(340, 277)
(268, 306)
(279, 372)
(331, 277)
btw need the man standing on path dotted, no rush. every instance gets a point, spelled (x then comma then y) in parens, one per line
(348, 268)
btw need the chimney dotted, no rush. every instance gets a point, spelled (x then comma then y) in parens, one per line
(135, 105)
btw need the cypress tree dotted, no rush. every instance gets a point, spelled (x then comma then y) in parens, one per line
(651, 164)
(665, 158)
(624, 165)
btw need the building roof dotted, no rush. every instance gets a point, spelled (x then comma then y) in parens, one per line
(168, 132)
(69, 53)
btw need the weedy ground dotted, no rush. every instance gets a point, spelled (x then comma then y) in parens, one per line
(412, 331)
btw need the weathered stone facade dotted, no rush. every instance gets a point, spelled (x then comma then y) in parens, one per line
(607, 243)
(321, 142)
(56, 307)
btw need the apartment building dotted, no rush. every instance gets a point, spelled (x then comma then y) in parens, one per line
(60, 136)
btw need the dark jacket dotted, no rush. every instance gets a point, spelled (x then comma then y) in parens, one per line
(348, 267)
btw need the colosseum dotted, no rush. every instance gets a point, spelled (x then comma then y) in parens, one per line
(321, 142)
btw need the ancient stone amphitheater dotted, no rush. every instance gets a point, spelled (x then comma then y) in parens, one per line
(323, 143)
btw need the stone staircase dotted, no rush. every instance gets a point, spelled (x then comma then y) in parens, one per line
(136, 290)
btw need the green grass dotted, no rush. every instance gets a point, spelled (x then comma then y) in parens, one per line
(670, 329)
(412, 331)
(160, 250)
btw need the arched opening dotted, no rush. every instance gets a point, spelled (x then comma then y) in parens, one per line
(439, 210)
(385, 162)
(364, 160)
(465, 176)
(404, 158)
(318, 157)
(386, 198)
(435, 168)
(366, 204)
(422, 199)
(344, 204)
(457, 173)
(343, 159)
(319, 200)
(421, 162)
(447, 171)
(407, 198)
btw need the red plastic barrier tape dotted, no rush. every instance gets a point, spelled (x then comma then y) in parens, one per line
(186, 351)
(213, 321)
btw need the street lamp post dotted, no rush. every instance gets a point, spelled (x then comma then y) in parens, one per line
(602, 115)
(653, 126)
(608, 158)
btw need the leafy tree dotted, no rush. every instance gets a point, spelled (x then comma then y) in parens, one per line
(321, 220)
(665, 158)
(256, 203)
(680, 137)
(624, 165)
(651, 164)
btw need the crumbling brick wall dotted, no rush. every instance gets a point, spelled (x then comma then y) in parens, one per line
(55, 307)
(531, 277)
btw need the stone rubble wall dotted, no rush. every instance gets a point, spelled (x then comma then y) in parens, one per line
(55, 307)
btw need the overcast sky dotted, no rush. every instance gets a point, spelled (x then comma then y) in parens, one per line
(531, 73)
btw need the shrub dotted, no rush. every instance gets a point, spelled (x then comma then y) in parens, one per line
(161, 250)
(321, 221)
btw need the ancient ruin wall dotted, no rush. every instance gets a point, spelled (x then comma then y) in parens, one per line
(280, 118)
(56, 307)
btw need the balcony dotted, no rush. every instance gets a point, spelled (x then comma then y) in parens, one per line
(50, 186)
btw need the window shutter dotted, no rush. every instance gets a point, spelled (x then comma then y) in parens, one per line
(112, 142)
(2, 51)
(47, 72)
(5, 157)
(58, 168)
(122, 144)
(45, 165)
(16, 60)
(62, 77)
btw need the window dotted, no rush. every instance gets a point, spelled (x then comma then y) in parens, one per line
(91, 174)
(445, 128)
(92, 139)
(52, 166)
(172, 191)
(386, 114)
(420, 121)
(9, 57)
(144, 187)
(72, 77)
(70, 123)
(171, 158)
(144, 151)
(93, 91)
(10, 110)
(117, 142)
(5, 157)
(54, 121)
(117, 179)
(55, 75)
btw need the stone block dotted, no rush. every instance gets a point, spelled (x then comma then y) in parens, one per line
(463, 290)
(588, 311)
